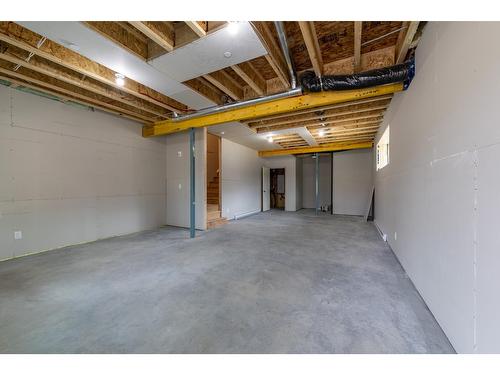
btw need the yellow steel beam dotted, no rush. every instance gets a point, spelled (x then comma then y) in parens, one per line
(292, 104)
(337, 146)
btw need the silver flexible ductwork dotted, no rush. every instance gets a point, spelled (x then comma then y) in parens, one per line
(280, 28)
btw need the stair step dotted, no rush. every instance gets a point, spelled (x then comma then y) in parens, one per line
(216, 223)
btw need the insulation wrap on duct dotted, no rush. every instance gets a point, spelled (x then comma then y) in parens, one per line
(398, 73)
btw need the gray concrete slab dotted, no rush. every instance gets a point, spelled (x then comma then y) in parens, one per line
(276, 282)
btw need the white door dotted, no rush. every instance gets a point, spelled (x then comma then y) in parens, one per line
(266, 189)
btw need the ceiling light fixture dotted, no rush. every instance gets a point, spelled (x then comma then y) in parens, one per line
(233, 27)
(119, 79)
(222, 133)
(270, 139)
(321, 133)
(227, 54)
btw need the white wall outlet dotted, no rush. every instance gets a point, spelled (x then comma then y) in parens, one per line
(395, 236)
(179, 154)
(18, 235)
(180, 186)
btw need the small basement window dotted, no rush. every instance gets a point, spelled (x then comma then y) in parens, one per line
(383, 150)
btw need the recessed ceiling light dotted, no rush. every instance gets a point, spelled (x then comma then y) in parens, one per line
(321, 133)
(119, 79)
(222, 133)
(233, 27)
(227, 54)
(270, 139)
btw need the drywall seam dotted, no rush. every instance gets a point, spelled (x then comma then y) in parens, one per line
(474, 236)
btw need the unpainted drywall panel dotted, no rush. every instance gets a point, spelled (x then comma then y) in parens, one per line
(309, 181)
(178, 179)
(443, 162)
(487, 250)
(70, 175)
(352, 181)
(241, 180)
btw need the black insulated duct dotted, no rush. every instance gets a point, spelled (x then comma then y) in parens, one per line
(398, 73)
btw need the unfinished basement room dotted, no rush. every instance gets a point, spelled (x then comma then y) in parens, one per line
(265, 187)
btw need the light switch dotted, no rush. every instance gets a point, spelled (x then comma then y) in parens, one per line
(179, 154)
(18, 235)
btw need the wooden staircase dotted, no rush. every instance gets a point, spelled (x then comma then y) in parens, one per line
(214, 217)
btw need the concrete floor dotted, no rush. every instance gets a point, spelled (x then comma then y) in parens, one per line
(275, 282)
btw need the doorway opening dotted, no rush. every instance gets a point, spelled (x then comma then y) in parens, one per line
(214, 191)
(278, 188)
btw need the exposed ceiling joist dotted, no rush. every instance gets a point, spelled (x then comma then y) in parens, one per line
(225, 83)
(251, 76)
(25, 40)
(274, 56)
(337, 146)
(404, 40)
(358, 27)
(311, 40)
(42, 67)
(162, 33)
(197, 27)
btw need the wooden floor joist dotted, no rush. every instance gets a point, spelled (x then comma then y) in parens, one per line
(292, 104)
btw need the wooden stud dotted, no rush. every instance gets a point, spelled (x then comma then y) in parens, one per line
(311, 100)
(309, 34)
(337, 146)
(358, 27)
(159, 32)
(206, 89)
(251, 76)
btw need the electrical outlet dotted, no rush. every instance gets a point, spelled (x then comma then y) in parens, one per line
(395, 236)
(18, 235)
(384, 237)
(180, 186)
(179, 154)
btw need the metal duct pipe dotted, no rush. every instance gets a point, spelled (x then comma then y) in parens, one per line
(280, 28)
(224, 108)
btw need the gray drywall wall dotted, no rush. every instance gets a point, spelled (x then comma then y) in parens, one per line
(309, 181)
(178, 179)
(298, 183)
(289, 163)
(241, 180)
(70, 175)
(437, 199)
(352, 181)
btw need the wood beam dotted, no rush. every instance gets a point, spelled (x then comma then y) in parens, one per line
(42, 67)
(251, 76)
(161, 33)
(336, 146)
(274, 56)
(25, 39)
(358, 27)
(310, 39)
(197, 28)
(311, 100)
(404, 40)
(225, 83)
